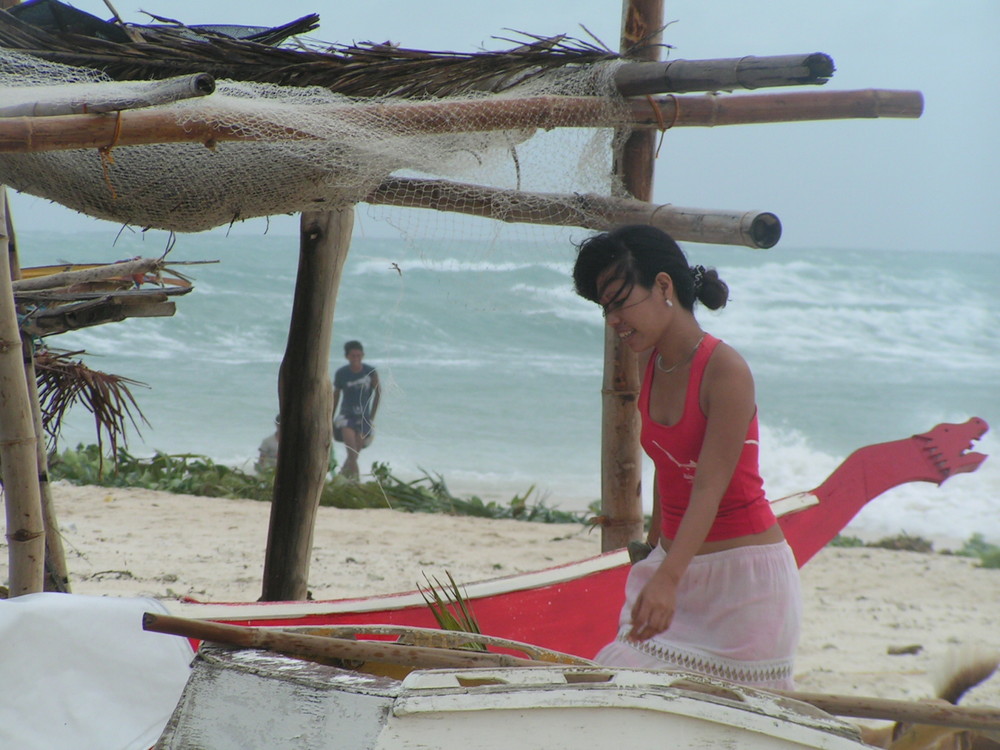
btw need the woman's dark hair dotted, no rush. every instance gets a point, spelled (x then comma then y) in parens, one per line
(635, 254)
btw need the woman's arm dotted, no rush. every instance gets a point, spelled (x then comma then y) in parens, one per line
(653, 535)
(727, 397)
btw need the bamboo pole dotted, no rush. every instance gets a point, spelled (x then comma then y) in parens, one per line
(750, 72)
(145, 127)
(318, 647)
(756, 229)
(56, 577)
(621, 462)
(306, 404)
(18, 446)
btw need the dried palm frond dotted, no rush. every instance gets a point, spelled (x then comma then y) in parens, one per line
(362, 70)
(450, 608)
(63, 382)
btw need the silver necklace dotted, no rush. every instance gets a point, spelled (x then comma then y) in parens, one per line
(668, 370)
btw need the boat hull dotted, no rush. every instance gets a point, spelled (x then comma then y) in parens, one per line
(242, 700)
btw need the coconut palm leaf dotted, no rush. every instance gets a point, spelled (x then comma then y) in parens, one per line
(364, 70)
(450, 608)
(64, 381)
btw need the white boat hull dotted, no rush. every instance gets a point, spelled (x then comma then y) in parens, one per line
(242, 700)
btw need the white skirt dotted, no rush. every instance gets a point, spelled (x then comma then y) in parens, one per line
(738, 617)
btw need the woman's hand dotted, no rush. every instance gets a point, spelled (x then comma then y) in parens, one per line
(654, 608)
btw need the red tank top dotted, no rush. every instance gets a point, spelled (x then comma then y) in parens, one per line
(744, 508)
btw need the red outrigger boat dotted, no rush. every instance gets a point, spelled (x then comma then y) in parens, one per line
(573, 608)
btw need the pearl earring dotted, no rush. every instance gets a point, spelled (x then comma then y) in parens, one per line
(669, 303)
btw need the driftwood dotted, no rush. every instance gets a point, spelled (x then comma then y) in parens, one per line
(18, 446)
(144, 127)
(147, 94)
(125, 269)
(680, 76)
(757, 229)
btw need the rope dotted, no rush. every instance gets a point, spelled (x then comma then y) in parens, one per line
(106, 157)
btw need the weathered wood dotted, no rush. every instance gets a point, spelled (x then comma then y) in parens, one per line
(318, 647)
(757, 229)
(18, 446)
(144, 94)
(936, 713)
(305, 397)
(125, 269)
(621, 465)
(73, 317)
(141, 127)
(56, 576)
(680, 76)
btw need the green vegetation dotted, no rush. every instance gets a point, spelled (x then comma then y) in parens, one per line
(977, 547)
(988, 554)
(198, 475)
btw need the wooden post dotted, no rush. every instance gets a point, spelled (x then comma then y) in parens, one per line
(56, 576)
(621, 462)
(25, 528)
(305, 397)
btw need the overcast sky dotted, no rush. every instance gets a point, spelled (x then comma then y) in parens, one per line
(930, 183)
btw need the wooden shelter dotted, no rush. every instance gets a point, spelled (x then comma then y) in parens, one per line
(651, 100)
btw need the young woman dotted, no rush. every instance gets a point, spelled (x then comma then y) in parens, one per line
(719, 594)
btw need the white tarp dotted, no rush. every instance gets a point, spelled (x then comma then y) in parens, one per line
(80, 673)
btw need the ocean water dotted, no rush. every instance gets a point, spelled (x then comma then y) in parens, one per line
(491, 366)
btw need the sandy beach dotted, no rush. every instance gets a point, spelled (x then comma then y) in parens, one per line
(861, 605)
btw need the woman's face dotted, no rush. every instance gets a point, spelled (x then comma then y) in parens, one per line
(635, 314)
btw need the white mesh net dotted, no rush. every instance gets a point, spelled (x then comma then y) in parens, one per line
(308, 148)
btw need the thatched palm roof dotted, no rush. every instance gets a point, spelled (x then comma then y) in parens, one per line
(169, 49)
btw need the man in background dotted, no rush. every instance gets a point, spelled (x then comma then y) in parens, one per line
(356, 390)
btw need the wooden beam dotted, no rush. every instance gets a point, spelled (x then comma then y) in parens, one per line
(680, 76)
(18, 445)
(141, 127)
(756, 229)
(305, 397)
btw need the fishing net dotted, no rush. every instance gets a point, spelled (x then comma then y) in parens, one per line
(306, 148)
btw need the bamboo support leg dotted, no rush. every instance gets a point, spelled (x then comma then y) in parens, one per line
(621, 465)
(25, 527)
(56, 573)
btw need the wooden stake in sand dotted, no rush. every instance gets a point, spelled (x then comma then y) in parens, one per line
(306, 404)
